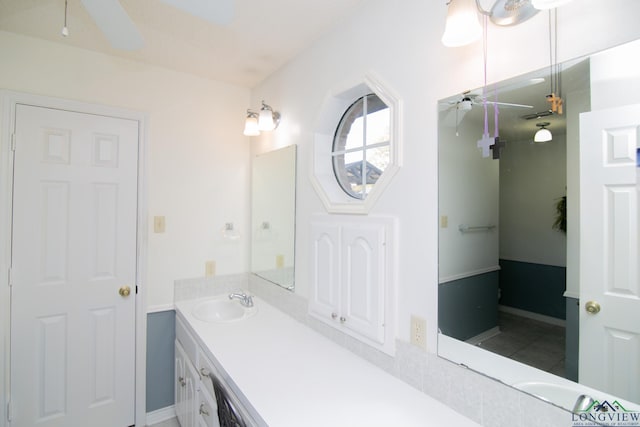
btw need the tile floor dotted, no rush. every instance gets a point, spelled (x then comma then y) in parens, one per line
(529, 341)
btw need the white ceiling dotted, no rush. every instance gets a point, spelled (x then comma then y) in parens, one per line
(262, 37)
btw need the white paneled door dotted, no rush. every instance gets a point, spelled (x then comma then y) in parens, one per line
(73, 284)
(609, 249)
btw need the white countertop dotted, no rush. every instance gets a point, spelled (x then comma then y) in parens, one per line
(293, 376)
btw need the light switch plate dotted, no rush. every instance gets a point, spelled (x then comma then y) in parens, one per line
(158, 224)
(210, 268)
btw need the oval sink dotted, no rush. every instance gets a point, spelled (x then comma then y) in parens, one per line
(222, 310)
(561, 395)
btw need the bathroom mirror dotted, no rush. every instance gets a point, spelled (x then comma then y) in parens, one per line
(273, 202)
(513, 299)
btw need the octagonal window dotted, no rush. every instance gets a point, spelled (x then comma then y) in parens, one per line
(357, 146)
(361, 145)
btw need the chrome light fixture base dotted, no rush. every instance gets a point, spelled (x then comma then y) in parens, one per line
(512, 12)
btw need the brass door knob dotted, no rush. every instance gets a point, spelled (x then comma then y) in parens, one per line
(592, 307)
(124, 291)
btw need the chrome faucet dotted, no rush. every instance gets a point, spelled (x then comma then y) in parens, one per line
(245, 300)
(583, 404)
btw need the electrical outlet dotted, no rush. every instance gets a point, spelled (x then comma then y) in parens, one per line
(209, 268)
(418, 332)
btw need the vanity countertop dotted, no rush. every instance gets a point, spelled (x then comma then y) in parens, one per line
(293, 376)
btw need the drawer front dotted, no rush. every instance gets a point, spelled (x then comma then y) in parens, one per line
(186, 340)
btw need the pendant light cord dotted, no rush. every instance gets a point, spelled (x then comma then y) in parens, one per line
(554, 66)
(484, 59)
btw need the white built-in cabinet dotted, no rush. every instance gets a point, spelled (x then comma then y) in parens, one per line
(185, 387)
(194, 397)
(352, 276)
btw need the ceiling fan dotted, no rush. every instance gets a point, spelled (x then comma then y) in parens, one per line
(468, 100)
(121, 32)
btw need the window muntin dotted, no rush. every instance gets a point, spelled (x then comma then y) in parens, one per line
(361, 145)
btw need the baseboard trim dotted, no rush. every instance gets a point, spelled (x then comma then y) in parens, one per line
(534, 316)
(490, 333)
(160, 415)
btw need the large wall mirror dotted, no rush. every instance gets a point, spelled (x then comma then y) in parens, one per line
(273, 203)
(538, 237)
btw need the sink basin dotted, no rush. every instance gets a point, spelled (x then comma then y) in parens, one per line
(221, 310)
(561, 395)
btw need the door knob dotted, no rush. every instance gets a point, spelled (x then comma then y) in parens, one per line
(592, 307)
(124, 291)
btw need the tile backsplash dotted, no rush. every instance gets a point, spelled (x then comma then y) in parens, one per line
(478, 397)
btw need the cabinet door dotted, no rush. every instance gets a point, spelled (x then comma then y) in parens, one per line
(363, 279)
(180, 383)
(185, 388)
(191, 395)
(325, 270)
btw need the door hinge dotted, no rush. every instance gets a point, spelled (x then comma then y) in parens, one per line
(9, 411)
(10, 277)
(136, 289)
(13, 142)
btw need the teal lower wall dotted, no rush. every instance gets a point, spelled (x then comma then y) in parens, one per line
(467, 307)
(572, 339)
(161, 334)
(536, 288)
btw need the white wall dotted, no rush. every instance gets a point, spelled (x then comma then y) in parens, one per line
(533, 177)
(400, 42)
(198, 159)
(468, 195)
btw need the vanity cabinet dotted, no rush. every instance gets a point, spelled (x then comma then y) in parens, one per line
(352, 276)
(194, 402)
(195, 397)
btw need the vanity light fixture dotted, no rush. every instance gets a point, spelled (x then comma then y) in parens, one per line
(548, 4)
(463, 27)
(266, 120)
(251, 124)
(543, 134)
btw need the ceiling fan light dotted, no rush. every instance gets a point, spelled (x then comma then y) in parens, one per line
(543, 135)
(548, 4)
(462, 26)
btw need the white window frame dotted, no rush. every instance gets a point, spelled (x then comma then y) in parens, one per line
(323, 179)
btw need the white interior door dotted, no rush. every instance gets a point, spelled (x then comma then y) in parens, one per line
(609, 280)
(73, 248)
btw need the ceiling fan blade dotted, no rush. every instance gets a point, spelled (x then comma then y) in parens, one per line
(220, 12)
(115, 24)
(509, 104)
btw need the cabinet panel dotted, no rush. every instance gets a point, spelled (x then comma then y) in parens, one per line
(186, 388)
(363, 280)
(325, 270)
(352, 276)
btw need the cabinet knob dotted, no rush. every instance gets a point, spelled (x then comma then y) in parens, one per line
(343, 319)
(334, 316)
(204, 372)
(182, 381)
(203, 410)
